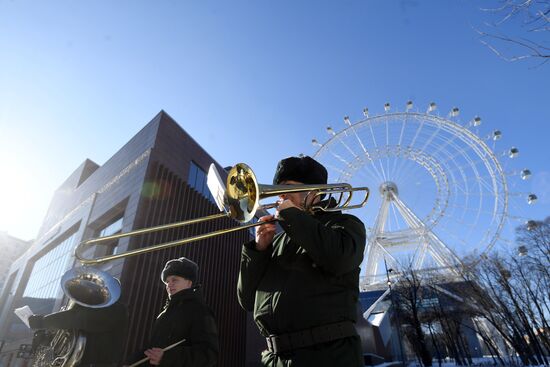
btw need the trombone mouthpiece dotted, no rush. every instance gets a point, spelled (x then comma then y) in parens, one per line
(270, 206)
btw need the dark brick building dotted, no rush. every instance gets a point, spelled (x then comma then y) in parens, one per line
(158, 177)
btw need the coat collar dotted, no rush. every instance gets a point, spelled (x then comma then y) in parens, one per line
(185, 295)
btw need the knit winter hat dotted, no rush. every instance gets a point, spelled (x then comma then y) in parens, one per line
(182, 267)
(301, 169)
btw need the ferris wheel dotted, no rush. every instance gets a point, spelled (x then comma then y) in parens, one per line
(441, 189)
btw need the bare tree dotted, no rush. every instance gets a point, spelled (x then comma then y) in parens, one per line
(450, 309)
(508, 292)
(532, 39)
(509, 296)
(409, 297)
(491, 303)
(532, 269)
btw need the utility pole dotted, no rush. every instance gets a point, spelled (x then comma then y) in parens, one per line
(393, 307)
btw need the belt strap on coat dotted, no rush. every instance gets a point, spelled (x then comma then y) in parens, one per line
(305, 338)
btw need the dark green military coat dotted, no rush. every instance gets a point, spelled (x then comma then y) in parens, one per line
(308, 278)
(105, 330)
(186, 316)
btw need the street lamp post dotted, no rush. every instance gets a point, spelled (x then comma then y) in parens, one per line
(393, 307)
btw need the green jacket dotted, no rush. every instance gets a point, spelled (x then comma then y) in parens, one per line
(185, 316)
(104, 328)
(309, 277)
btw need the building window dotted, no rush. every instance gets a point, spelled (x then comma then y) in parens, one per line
(43, 286)
(197, 180)
(109, 247)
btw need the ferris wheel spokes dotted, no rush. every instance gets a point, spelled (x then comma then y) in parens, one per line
(455, 194)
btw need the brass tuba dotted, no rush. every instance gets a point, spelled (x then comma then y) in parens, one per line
(92, 288)
(63, 348)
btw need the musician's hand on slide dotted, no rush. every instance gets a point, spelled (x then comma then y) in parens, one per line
(285, 204)
(265, 233)
(154, 355)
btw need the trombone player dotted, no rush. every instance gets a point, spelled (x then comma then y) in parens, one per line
(302, 283)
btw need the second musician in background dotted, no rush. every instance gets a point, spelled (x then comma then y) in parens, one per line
(302, 283)
(185, 316)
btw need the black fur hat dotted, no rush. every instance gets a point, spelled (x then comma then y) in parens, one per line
(182, 267)
(301, 169)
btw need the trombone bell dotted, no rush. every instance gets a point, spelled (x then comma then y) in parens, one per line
(242, 194)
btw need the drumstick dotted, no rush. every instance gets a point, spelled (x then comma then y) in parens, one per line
(164, 350)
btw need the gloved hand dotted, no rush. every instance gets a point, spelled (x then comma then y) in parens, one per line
(36, 322)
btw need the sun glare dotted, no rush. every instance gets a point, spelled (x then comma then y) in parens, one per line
(19, 196)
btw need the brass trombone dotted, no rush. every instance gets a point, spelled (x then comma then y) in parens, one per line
(239, 200)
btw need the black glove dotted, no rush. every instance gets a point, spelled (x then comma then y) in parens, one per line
(36, 322)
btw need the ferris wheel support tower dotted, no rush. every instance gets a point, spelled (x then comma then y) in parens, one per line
(379, 242)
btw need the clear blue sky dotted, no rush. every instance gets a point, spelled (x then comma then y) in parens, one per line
(251, 81)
